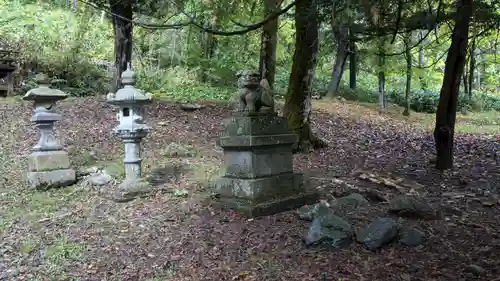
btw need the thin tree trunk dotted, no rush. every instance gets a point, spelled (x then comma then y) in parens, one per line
(472, 67)
(123, 38)
(352, 65)
(406, 112)
(447, 108)
(269, 39)
(298, 98)
(381, 77)
(421, 61)
(339, 63)
(465, 81)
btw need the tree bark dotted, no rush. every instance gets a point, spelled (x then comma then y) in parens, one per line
(123, 38)
(339, 63)
(352, 65)
(406, 112)
(298, 98)
(447, 108)
(269, 39)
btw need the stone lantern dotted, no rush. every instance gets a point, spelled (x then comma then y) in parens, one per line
(48, 164)
(131, 128)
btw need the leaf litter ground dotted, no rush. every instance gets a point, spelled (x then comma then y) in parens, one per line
(76, 233)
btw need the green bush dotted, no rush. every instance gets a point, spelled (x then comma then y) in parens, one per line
(427, 101)
(196, 93)
(359, 94)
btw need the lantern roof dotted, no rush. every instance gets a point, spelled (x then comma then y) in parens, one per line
(43, 92)
(129, 94)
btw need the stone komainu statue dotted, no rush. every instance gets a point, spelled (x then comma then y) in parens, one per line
(254, 94)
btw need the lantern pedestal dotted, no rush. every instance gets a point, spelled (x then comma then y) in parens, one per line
(133, 182)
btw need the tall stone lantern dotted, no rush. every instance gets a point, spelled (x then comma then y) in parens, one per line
(131, 128)
(48, 164)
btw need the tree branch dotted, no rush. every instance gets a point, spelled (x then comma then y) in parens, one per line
(192, 21)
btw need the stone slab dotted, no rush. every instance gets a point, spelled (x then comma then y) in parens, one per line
(242, 124)
(43, 161)
(258, 162)
(260, 189)
(246, 142)
(51, 179)
(249, 208)
(130, 189)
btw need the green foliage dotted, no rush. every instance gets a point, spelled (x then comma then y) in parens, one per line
(60, 43)
(196, 93)
(427, 101)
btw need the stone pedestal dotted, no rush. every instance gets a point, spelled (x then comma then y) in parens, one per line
(259, 179)
(133, 181)
(48, 164)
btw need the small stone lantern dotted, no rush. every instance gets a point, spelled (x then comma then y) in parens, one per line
(131, 128)
(48, 164)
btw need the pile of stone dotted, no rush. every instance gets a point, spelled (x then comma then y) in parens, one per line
(329, 229)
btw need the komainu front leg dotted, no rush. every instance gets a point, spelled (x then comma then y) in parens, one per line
(251, 100)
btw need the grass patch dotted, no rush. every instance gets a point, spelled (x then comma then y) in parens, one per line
(487, 122)
(179, 150)
(32, 206)
(12, 100)
(204, 172)
(85, 159)
(115, 168)
(63, 250)
(28, 246)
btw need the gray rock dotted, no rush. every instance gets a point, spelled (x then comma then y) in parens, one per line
(412, 206)
(84, 172)
(99, 179)
(327, 218)
(308, 212)
(378, 233)
(375, 195)
(328, 236)
(351, 201)
(411, 237)
(475, 269)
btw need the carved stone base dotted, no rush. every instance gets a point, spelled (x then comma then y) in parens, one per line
(131, 189)
(264, 196)
(50, 169)
(250, 208)
(41, 161)
(51, 179)
(258, 167)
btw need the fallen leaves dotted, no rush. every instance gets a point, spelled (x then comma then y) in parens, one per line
(161, 237)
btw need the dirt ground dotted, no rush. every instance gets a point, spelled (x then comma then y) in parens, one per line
(77, 233)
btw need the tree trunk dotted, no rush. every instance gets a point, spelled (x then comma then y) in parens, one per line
(352, 65)
(465, 81)
(123, 38)
(447, 108)
(298, 98)
(339, 64)
(421, 61)
(269, 39)
(381, 77)
(406, 112)
(472, 68)
(207, 47)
